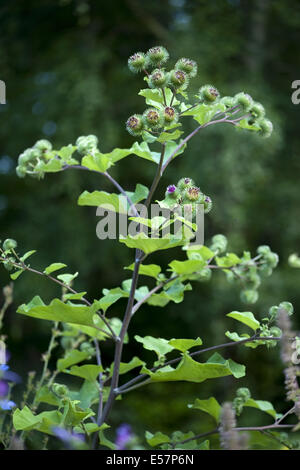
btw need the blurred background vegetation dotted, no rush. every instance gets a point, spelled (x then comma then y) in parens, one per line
(64, 63)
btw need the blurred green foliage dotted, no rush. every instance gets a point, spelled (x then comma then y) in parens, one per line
(64, 63)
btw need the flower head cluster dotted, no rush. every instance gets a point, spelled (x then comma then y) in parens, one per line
(249, 272)
(31, 157)
(187, 194)
(86, 144)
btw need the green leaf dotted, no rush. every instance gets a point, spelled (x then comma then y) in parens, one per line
(45, 395)
(141, 192)
(150, 245)
(66, 152)
(262, 405)
(73, 414)
(25, 420)
(151, 270)
(210, 406)
(198, 252)
(235, 337)
(52, 166)
(77, 296)
(67, 278)
(243, 124)
(88, 371)
(106, 200)
(156, 439)
(153, 97)
(228, 261)
(245, 317)
(59, 311)
(127, 366)
(160, 346)
(29, 253)
(72, 357)
(192, 371)
(187, 267)
(203, 113)
(106, 442)
(54, 267)
(166, 136)
(110, 297)
(15, 275)
(184, 345)
(97, 162)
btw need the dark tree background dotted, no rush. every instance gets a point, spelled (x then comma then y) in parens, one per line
(64, 63)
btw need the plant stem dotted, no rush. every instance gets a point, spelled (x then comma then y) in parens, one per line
(157, 176)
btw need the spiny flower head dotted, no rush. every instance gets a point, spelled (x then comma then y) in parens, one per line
(228, 101)
(86, 144)
(158, 79)
(265, 127)
(184, 183)
(192, 193)
(207, 204)
(135, 124)
(257, 110)
(138, 62)
(208, 94)
(153, 118)
(244, 101)
(172, 191)
(43, 145)
(178, 79)
(170, 114)
(157, 56)
(188, 66)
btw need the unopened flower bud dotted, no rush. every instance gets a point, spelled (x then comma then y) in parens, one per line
(257, 110)
(178, 79)
(244, 101)
(207, 204)
(9, 244)
(184, 183)
(170, 115)
(249, 296)
(228, 101)
(188, 66)
(21, 171)
(60, 389)
(43, 145)
(266, 127)
(158, 79)
(86, 144)
(137, 62)
(153, 118)
(208, 94)
(157, 55)
(135, 125)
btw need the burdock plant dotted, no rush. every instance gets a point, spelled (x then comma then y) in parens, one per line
(80, 417)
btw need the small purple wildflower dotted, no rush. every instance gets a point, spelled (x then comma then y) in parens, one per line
(4, 388)
(124, 436)
(171, 188)
(7, 404)
(67, 437)
(207, 199)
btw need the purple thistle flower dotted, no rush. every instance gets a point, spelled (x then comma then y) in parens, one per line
(207, 199)
(7, 404)
(124, 436)
(171, 188)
